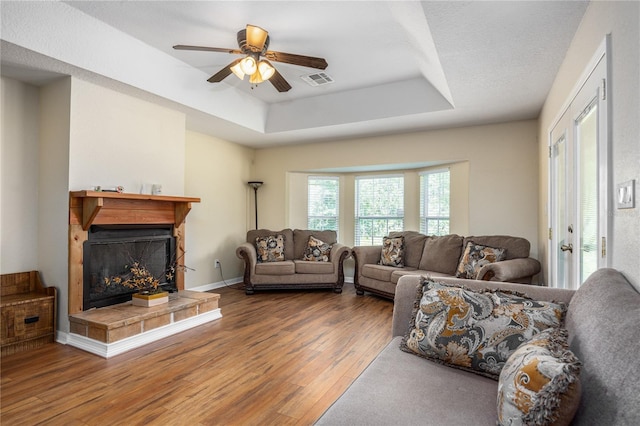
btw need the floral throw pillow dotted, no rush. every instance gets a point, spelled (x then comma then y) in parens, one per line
(475, 331)
(392, 252)
(475, 256)
(539, 384)
(317, 250)
(270, 248)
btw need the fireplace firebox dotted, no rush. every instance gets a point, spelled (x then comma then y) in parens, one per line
(111, 251)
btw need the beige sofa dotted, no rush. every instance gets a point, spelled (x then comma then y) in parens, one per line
(439, 256)
(290, 271)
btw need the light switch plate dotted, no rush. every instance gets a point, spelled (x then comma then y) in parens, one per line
(626, 194)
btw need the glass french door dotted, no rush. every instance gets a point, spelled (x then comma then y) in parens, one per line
(579, 185)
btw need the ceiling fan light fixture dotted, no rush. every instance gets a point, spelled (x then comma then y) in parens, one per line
(255, 78)
(265, 69)
(249, 65)
(256, 37)
(237, 70)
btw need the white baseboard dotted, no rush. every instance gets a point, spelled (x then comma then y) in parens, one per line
(219, 284)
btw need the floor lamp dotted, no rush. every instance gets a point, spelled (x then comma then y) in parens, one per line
(255, 185)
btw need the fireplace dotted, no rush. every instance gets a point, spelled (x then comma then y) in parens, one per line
(111, 253)
(147, 228)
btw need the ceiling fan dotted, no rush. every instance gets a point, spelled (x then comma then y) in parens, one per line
(254, 42)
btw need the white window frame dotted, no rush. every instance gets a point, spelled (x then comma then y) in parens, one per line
(425, 201)
(386, 219)
(310, 200)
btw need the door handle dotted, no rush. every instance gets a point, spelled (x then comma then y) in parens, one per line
(567, 247)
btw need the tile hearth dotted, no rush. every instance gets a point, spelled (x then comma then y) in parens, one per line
(118, 328)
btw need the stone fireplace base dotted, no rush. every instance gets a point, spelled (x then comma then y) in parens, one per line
(115, 329)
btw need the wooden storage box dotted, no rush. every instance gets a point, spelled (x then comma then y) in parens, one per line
(27, 312)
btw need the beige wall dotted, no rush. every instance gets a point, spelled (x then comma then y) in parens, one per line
(621, 20)
(120, 140)
(496, 169)
(18, 177)
(216, 171)
(53, 199)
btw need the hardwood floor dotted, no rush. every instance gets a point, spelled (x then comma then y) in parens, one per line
(274, 358)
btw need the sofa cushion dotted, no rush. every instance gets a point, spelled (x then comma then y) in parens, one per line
(270, 248)
(441, 254)
(286, 267)
(413, 246)
(301, 240)
(475, 330)
(377, 272)
(398, 273)
(392, 253)
(317, 250)
(517, 247)
(313, 267)
(286, 233)
(539, 384)
(401, 389)
(475, 256)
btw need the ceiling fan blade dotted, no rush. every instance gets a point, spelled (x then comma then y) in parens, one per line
(256, 37)
(290, 58)
(279, 82)
(207, 49)
(223, 73)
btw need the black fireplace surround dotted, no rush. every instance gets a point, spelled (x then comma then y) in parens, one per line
(111, 250)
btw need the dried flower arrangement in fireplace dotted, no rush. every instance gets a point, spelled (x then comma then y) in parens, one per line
(137, 276)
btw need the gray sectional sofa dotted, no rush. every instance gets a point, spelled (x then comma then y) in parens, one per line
(603, 323)
(290, 271)
(439, 256)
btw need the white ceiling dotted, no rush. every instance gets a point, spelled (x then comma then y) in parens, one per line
(398, 66)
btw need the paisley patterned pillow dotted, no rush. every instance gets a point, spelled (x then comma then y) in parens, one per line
(270, 248)
(317, 250)
(539, 384)
(392, 252)
(475, 331)
(475, 256)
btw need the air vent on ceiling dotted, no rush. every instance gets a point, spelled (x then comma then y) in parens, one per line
(317, 79)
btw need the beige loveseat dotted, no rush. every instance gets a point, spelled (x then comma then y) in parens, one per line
(439, 256)
(282, 264)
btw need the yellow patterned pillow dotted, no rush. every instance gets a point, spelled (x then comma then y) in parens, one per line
(539, 384)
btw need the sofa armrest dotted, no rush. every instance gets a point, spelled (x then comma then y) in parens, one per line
(363, 255)
(519, 270)
(338, 255)
(366, 254)
(247, 252)
(403, 303)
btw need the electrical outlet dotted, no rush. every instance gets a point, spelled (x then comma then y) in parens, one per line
(217, 263)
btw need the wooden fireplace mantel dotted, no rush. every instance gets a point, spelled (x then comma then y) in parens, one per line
(88, 208)
(109, 208)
